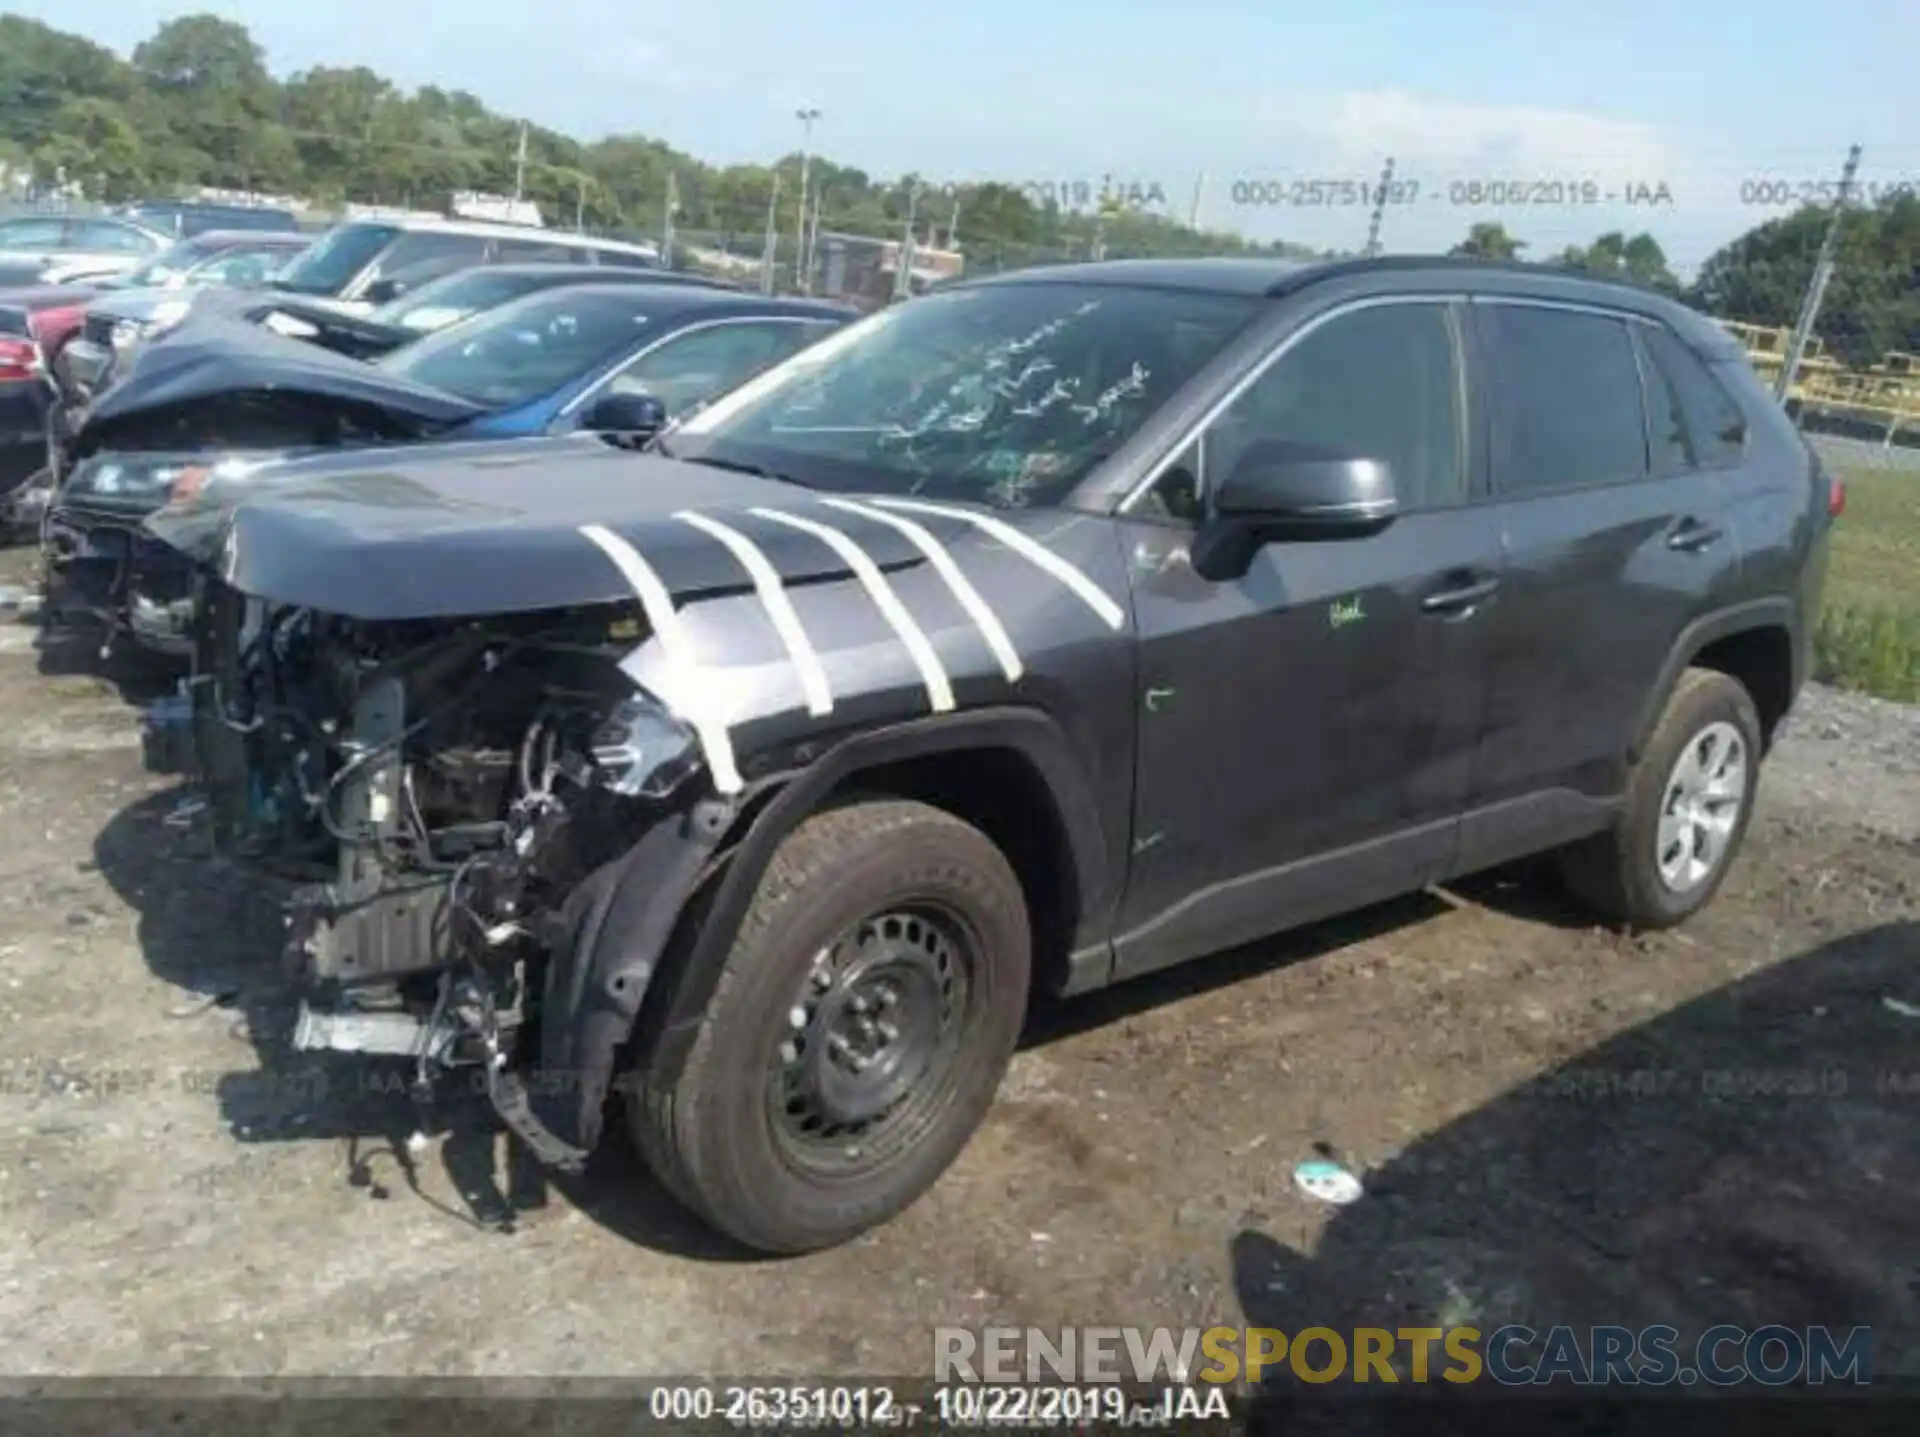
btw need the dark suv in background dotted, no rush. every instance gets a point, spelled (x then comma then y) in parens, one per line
(1037, 633)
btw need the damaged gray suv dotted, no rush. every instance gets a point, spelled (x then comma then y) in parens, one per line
(1020, 639)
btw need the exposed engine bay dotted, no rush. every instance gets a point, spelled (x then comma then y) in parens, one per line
(436, 791)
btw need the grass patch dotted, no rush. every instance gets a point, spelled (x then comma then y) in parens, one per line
(1869, 632)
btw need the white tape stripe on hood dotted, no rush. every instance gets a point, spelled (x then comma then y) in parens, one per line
(662, 618)
(932, 673)
(977, 608)
(1095, 597)
(773, 597)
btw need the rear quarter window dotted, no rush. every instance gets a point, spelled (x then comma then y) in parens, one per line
(1694, 421)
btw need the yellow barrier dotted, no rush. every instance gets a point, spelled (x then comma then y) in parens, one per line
(1887, 393)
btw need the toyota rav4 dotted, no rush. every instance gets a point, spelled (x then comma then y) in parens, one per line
(1023, 638)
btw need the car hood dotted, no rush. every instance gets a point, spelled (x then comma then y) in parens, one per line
(324, 302)
(138, 303)
(213, 356)
(453, 530)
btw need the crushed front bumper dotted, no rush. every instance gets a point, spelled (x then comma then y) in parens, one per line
(108, 572)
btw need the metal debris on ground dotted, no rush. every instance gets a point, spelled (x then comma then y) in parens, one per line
(1329, 1182)
(185, 811)
(205, 1002)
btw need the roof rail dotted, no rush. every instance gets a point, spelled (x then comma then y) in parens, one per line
(1331, 269)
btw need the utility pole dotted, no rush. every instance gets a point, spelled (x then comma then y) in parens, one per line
(1817, 290)
(806, 115)
(903, 277)
(1199, 189)
(773, 237)
(813, 235)
(666, 228)
(520, 168)
(580, 204)
(953, 224)
(1379, 210)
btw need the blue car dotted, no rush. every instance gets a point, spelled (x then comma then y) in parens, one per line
(565, 359)
(220, 397)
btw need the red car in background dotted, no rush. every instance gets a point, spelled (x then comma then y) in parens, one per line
(34, 325)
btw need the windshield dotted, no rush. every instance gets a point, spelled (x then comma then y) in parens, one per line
(169, 263)
(335, 258)
(1006, 394)
(455, 295)
(525, 349)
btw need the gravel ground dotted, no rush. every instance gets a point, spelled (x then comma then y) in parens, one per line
(181, 1194)
(1869, 454)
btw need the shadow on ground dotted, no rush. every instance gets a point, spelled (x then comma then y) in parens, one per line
(216, 933)
(1748, 1158)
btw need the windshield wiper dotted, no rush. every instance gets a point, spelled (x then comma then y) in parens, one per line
(733, 466)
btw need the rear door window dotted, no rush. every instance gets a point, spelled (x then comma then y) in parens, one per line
(106, 238)
(1568, 411)
(421, 255)
(622, 259)
(512, 251)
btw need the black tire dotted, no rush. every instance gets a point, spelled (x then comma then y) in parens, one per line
(1617, 873)
(715, 1134)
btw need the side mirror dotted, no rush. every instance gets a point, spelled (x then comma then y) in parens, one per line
(626, 415)
(1280, 492)
(382, 291)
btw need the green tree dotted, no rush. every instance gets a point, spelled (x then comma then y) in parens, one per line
(114, 167)
(1614, 256)
(1872, 303)
(205, 55)
(41, 70)
(1488, 240)
(217, 95)
(197, 105)
(997, 214)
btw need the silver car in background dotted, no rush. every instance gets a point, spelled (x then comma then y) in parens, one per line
(69, 249)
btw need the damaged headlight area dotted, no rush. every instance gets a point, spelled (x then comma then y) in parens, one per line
(152, 479)
(436, 790)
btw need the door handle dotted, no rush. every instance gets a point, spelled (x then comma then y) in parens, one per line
(1461, 599)
(1690, 535)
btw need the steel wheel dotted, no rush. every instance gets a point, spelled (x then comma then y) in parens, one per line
(853, 1039)
(1705, 794)
(874, 1032)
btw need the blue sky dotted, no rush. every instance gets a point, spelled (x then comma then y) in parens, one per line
(1157, 92)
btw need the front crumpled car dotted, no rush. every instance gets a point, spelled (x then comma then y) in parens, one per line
(98, 563)
(116, 325)
(215, 397)
(438, 710)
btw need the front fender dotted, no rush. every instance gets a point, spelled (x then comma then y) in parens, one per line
(621, 924)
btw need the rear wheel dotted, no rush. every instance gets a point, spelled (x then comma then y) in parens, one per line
(859, 1029)
(1689, 800)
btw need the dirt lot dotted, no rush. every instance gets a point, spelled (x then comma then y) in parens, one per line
(1555, 1124)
